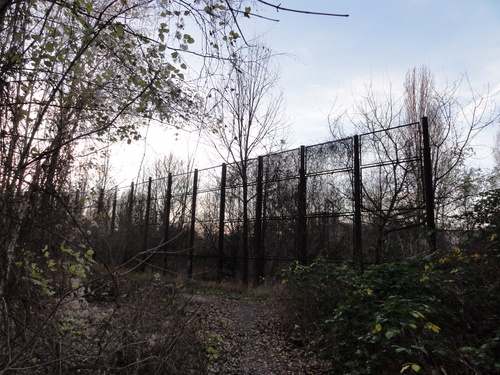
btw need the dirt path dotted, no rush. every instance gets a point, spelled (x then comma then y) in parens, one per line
(243, 337)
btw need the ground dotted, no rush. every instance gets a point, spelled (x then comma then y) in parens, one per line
(245, 337)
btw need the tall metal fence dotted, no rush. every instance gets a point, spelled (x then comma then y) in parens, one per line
(367, 199)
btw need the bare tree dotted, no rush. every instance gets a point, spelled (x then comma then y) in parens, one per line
(495, 173)
(249, 114)
(453, 122)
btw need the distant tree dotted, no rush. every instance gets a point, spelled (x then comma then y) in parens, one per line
(495, 173)
(249, 118)
(394, 186)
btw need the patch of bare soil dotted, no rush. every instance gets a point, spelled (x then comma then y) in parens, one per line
(244, 337)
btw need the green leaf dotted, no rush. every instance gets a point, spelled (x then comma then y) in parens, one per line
(52, 265)
(89, 255)
(49, 47)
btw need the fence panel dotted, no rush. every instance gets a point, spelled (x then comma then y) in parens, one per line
(356, 198)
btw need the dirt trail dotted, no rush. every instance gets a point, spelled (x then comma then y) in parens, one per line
(243, 337)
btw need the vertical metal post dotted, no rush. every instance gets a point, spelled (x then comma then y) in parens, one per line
(428, 187)
(222, 217)
(113, 214)
(145, 257)
(258, 248)
(192, 231)
(358, 243)
(302, 209)
(129, 227)
(130, 204)
(166, 226)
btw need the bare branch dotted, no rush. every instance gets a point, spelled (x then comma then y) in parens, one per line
(279, 7)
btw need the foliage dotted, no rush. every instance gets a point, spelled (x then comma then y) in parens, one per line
(428, 313)
(433, 314)
(486, 214)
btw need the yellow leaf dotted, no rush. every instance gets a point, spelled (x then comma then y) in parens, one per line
(415, 367)
(433, 327)
(417, 314)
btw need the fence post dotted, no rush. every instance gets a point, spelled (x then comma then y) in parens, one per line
(222, 217)
(130, 203)
(302, 209)
(113, 214)
(428, 187)
(258, 248)
(129, 226)
(166, 227)
(192, 231)
(358, 243)
(145, 257)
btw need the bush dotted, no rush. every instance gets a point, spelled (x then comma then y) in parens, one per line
(436, 314)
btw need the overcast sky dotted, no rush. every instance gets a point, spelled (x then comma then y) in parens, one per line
(330, 59)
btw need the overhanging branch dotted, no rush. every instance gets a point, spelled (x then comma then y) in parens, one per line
(279, 7)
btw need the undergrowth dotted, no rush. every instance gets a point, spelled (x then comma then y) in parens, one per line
(435, 314)
(69, 316)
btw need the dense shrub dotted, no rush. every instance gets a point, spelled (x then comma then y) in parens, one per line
(437, 314)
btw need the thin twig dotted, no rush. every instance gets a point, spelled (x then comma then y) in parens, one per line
(279, 7)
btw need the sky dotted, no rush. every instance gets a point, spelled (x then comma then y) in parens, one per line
(326, 62)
